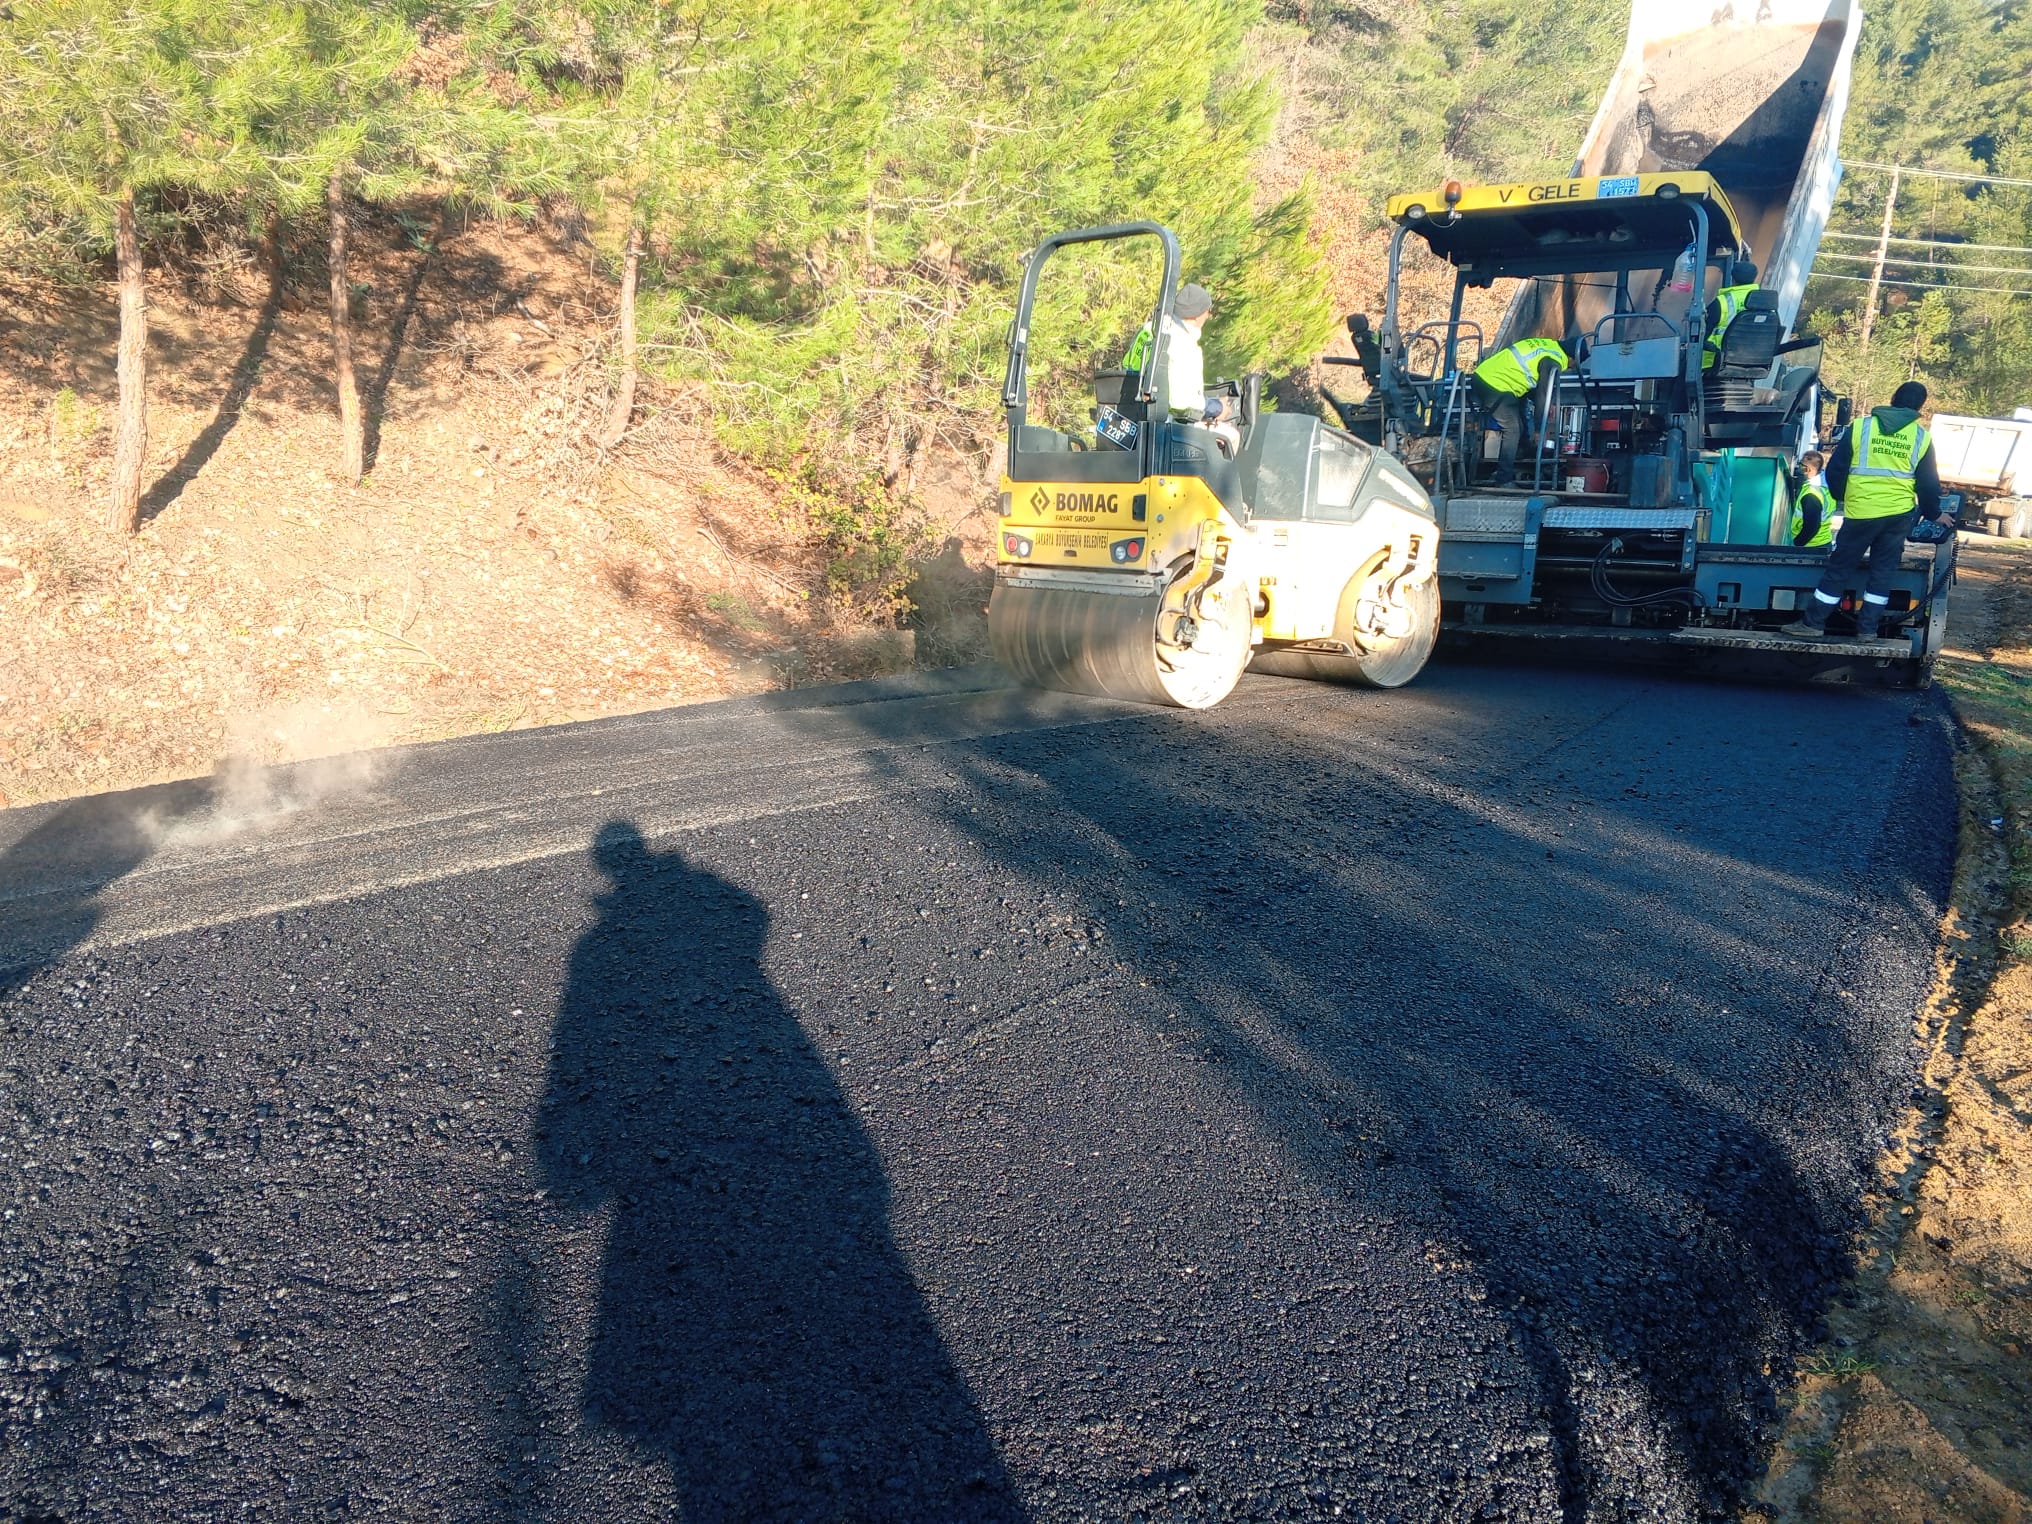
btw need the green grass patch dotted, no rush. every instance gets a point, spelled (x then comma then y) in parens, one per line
(1841, 1367)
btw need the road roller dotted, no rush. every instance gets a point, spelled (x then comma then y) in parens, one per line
(1153, 559)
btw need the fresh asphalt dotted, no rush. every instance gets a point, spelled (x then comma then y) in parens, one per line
(935, 1101)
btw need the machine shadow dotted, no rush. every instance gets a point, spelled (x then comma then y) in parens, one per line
(757, 1328)
(1629, 1189)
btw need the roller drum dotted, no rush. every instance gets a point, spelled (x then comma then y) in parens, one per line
(1106, 644)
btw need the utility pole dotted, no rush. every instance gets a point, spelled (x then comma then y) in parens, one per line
(1877, 277)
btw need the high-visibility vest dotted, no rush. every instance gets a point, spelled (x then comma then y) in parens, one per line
(1882, 469)
(1731, 299)
(1515, 369)
(1824, 535)
(1184, 364)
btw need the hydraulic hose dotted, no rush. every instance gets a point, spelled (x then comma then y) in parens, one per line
(1598, 580)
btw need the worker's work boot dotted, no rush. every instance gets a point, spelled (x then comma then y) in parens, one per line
(1812, 621)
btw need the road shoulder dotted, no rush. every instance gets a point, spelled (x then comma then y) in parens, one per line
(1913, 1409)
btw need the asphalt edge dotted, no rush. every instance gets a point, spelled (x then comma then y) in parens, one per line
(1968, 958)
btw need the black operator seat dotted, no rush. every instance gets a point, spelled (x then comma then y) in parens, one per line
(1753, 336)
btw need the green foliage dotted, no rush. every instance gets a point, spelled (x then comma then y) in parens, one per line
(870, 535)
(72, 420)
(1431, 89)
(868, 315)
(100, 99)
(1939, 84)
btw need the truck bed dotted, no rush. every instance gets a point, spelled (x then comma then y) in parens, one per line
(1756, 103)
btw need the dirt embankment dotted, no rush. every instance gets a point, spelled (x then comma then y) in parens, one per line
(1916, 1411)
(491, 571)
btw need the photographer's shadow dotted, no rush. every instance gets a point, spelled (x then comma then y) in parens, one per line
(757, 1325)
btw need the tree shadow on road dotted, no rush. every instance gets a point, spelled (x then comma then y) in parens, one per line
(757, 1327)
(1548, 1006)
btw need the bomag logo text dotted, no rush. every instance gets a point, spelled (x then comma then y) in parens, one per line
(1088, 502)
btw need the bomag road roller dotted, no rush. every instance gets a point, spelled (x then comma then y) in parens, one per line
(1150, 559)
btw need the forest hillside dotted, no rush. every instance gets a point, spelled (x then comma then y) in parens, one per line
(379, 371)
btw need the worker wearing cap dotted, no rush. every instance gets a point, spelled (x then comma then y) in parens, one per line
(1504, 379)
(1883, 475)
(1185, 365)
(1812, 525)
(1723, 309)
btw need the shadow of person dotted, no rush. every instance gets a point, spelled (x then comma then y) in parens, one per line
(57, 859)
(757, 1327)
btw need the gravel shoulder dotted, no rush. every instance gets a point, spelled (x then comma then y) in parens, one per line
(1914, 1410)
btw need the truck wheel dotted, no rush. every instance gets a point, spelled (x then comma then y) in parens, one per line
(2018, 523)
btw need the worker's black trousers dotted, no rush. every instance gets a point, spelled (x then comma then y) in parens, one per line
(1880, 542)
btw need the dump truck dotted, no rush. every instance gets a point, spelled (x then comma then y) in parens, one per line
(1988, 462)
(1142, 557)
(1652, 511)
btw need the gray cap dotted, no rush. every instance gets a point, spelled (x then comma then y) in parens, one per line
(1192, 302)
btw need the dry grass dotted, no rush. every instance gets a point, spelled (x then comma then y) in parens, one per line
(493, 570)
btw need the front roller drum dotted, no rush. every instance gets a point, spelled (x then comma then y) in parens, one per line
(1115, 645)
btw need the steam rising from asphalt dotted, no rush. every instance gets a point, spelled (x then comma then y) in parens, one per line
(284, 760)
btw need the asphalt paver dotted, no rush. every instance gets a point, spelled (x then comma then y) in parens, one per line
(939, 1102)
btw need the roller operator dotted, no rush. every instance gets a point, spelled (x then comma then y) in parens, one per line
(1185, 366)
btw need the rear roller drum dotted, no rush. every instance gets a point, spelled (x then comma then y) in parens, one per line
(1389, 659)
(1392, 659)
(1113, 645)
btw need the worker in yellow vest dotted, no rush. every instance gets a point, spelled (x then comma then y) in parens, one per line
(1812, 507)
(1505, 379)
(1723, 309)
(1883, 475)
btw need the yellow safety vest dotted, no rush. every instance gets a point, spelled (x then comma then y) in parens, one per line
(1515, 369)
(1882, 468)
(1824, 535)
(1731, 299)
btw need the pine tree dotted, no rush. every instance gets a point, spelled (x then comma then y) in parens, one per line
(103, 107)
(364, 119)
(1939, 84)
(695, 118)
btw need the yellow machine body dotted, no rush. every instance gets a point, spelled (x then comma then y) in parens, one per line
(1154, 558)
(1092, 583)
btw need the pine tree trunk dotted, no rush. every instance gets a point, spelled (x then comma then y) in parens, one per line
(352, 423)
(130, 439)
(624, 397)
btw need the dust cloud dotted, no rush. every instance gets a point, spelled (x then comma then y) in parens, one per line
(283, 760)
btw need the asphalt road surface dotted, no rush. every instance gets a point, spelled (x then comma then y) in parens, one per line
(939, 1102)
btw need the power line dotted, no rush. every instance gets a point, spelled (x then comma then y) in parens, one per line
(1952, 264)
(1940, 243)
(1864, 280)
(1935, 174)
